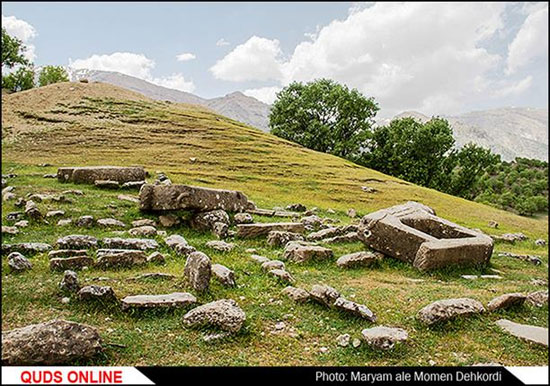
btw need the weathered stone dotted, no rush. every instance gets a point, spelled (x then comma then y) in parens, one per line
(493, 224)
(534, 334)
(204, 221)
(74, 262)
(536, 260)
(384, 338)
(184, 249)
(175, 197)
(144, 222)
(32, 211)
(77, 242)
(120, 243)
(311, 222)
(243, 218)
(96, 292)
(296, 207)
(85, 221)
(280, 238)
(173, 300)
(168, 220)
(56, 342)
(304, 253)
(221, 230)
(156, 257)
(224, 275)
(133, 185)
(540, 242)
(76, 192)
(224, 314)
(153, 275)
(447, 309)
(353, 308)
(64, 222)
(506, 301)
(263, 229)
(324, 294)
(106, 184)
(259, 259)
(110, 223)
(22, 224)
(14, 216)
(197, 271)
(538, 298)
(18, 263)
(343, 340)
(221, 246)
(67, 253)
(90, 174)
(216, 337)
(174, 240)
(20, 203)
(69, 282)
(9, 230)
(272, 264)
(145, 230)
(510, 237)
(120, 258)
(128, 197)
(347, 238)
(299, 295)
(26, 248)
(50, 175)
(282, 275)
(357, 259)
(368, 189)
(412, 233)
(351, 213)
(8, 196)
(55, 213)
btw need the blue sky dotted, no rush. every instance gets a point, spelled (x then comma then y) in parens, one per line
(435, 58)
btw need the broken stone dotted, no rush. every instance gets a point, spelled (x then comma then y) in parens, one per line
(384, 338)
(145, 230)
(144, 222)
(8, 196)
(110, 222)
(511, 237)
(73, 191)
(74, 262)
(14, 216)
(26, 248)
(324, 294)
(90, 174)
(69, 282)
(221, 246)
(22, 224)
(96, 292)
(32, 211)
(534, 334)
(224, 314)
(357, 259)
(493, 224)
(299, 295)
(55, 213)
(153, 275)
(447, 309)
(156, 257)
(67, 253)
(538, 298)
(243, 218)
(280, 238)
(259, 259)
(85, 221)
(263, 229)
(18, 263)
(221, 230)
(197, 271)
(412, 233)
(282, 275)
(174, 240)
(296, 207)
(506, 301)
(106, 184)
(528, 258)
(353, 308)
(120, 243)
(540, 242)
(204, 221)
(304, 253)
(56, 342)
(184, 249)
(77, 242)
(175, 197)
(173, 300)
(311, 222)
(224, 275)
(107, 258)
(272, 264)
(343, 340)
(168, 220)
(10, 230)
(133, 185)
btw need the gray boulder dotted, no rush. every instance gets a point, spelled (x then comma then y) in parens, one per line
(197, 271)
(384, 338)
(77, 242)
(97, 293)
(224, 275)
(506, 301)
(447, 309)
(69, 282)
(224, 314)
(18, 263)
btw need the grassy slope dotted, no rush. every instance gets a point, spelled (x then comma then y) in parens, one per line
(95, 124)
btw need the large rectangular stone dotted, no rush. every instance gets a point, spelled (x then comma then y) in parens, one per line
(176, 197)
(263, 229)
(176, 299)
(90, 174)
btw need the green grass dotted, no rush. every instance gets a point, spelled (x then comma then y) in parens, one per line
(271, 172)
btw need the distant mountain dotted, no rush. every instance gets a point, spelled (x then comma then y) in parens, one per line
(235, 105)
(511, 132)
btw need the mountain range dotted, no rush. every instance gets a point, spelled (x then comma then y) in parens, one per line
(511, 132)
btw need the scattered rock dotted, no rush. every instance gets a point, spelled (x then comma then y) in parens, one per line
(351, 213)
(357, 259)
(534, 334)
(145, 230)
(272, 264)
(536, 260)
(303, 253)
(133, 185)
(96, 292)
(510, 237)
(85, 221)
(128, 197)
(540, 242)
(224, 314)
(153, 275)
(67, 253)
(221, 246)
(368, 189)
(69, 282)
(9, 230)
(204, 221)
(108, 258)
(18, 263)
(168, 220)
(324, 294)
(353, 308)
(259, 259)
(538, 298)
(120, 243)
(224, 275)
(64, 222)
(22, 224)
(77, 242)
(506, 301)
(343, 340)
(263, 229)
(448, 309)
(243, 218)
(32, 211)
(221, 230)
(144, 222)
(493, 224)
(56, 342)
(74, 262)
(280, 238)
(197, 271)
(356, 343)
(296, 207)
(106, 184)
(384, 338)
(156, 257)
(110, 223)
(176, 299)
(299, 295)
(282, 275)
(26, 248)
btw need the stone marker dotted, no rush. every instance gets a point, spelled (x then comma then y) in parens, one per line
(69, 282)
(353, 308)
(303, 253)
(197, 271)
(384, 338)
(534, 334)
(324, 294)
(176, 197)
(120, 243)
(263, 229)
(413, 233)
(224, 314)
(90, 174)
(299, 295)
(77, 242)
(224, 275)
(120, 258)
(57, 342)
(448, 309)
(176, 299)
(18, 263)
(506, 301)
(73, 262)
(357, 259)
(96, 292)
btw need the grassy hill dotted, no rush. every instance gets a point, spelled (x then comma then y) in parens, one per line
(98, 124)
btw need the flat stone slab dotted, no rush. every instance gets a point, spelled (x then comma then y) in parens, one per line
(353, 308)
(299, 295)
(120, 243)
(538, 298)
(280, 238)
(448, 309)
(73, 262)
(534, 334)
(77, 242)
(384, 338)
(26, 248)
(413, 233)
(120, 258)
(90, 174)
(176, 197)
(303, 253)
(263, 229)
(220, 245)
(173, 300)
(324, 294)
(357, 259)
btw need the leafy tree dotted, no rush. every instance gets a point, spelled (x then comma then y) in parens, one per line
(324, 116)
(52, 74)
(526, 206)
(19, 80)
(12, 51)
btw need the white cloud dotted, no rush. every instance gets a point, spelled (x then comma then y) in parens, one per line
(531, 41)
(222, 42)
(256, 59)
(264, 94)
(23, 31)
(515, 88)
(185, 57)
(137, 65)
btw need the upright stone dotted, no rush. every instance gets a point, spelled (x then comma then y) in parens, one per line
(197, 271)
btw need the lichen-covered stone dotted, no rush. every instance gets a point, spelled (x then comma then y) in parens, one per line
(447, 309)
(77, 242)
(197, 271)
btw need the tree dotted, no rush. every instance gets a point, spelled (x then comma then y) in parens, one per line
(19, 80)
(12, 51)
(52, 74)
(324, 116)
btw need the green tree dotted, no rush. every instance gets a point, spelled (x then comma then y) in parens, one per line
(324, 116)
(19, 80)
(12, 51)
(52, 74)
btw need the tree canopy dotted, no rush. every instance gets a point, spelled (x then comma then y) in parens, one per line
(52, 74)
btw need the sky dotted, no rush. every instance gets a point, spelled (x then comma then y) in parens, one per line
(436, 58)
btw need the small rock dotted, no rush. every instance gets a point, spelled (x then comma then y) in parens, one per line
(243, 218)
(69, 282)
(221, 246)
(303, 253)
(224, 275)
(353, 308)
(351, 213)
(144, 222)
(55, 213)
(110, 223)
(145, 230)
(77, 242)
(282, 275)
(343, 340)
(96, 292)
(9, 230)
(173, 300)
(272, 264)
(506, 301)
(74, 262)
(534, 334)
(168, 220)
(216, 337)
(64, 222)
(259, 259)
(384, 338)
(493, 224)
(324, 294)
(540, 242)
(22, 224)
(357, 259)
(538, 298)
(106, 184)
(224, 314)
(85, 221)
(280, 238)
(299, 295)
(156, 257)
(448, 309)
(356, 343)
(18, 263)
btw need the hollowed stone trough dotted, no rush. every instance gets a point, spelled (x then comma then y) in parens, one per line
(413, 233)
